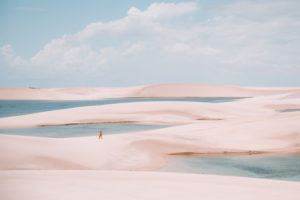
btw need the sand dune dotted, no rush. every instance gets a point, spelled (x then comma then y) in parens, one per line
(152, 91)
(139, 185)
(149, 150)
(246, 126)
(195, 90)
(139, 112)
(65, 93)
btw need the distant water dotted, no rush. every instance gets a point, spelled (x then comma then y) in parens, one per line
(79, 130)
(21, 107)
(284, 167)
(291, 110)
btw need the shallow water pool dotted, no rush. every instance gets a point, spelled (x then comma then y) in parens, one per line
(21, 107)
(283, 167)
(80, 130)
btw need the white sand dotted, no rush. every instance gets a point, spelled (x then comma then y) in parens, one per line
(65, 93)
(252, 124)
(166, 90)
(139, 185)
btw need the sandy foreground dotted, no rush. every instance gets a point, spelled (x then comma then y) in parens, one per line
(138, 185)
(118, 166)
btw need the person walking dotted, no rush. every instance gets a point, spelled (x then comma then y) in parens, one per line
(100, 135)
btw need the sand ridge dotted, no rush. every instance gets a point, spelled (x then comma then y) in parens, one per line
(254, 125)
(148, 91)
(246, 125)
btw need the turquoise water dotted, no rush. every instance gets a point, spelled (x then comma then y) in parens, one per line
(79, 130)
(291, 110)
(285, 167)
(21, 107)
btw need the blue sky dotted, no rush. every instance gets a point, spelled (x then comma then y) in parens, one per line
(34, 22)
(124, 43)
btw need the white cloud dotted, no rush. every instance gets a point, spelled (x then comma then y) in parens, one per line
(192, 49)
(239, 36)
(158, 11)
(97, 44)
(135, 48)
(9, 55)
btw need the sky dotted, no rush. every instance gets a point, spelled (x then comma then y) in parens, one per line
(110, 43)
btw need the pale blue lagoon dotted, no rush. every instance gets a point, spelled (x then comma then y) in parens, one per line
(80, 130)
(21, 107)
(283, 167)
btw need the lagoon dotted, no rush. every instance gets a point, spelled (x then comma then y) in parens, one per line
(80, 130)
(21, 107)
(280, 167)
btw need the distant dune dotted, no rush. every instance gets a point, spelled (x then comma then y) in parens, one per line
(152, 91)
